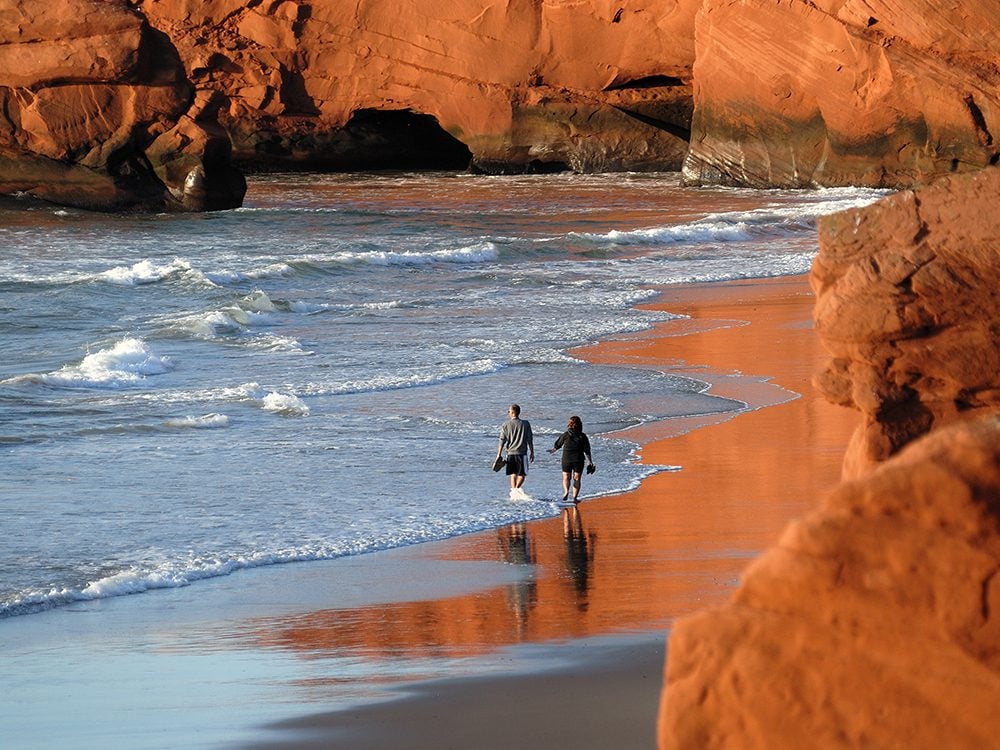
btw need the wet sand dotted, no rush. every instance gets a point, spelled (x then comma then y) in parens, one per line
(569, 653)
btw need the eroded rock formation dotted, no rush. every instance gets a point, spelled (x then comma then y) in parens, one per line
(843, 92)
(511, 86)
(96, 111)
(113, 103)
(908, 304)
(875, 621)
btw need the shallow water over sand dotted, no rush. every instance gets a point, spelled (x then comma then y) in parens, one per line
(322, 372)
(259, 658)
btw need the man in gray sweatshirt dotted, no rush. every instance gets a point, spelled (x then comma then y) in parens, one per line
(515, 434)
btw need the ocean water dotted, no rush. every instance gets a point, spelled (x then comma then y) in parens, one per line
(323, 372)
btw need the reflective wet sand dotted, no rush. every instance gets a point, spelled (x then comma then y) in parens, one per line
(627, 564)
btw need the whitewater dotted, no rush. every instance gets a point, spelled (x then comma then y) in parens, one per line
(323, 372)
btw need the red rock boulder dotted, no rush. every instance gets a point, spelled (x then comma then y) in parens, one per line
(874, 622)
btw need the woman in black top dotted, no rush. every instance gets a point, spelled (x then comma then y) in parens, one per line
(576, 447)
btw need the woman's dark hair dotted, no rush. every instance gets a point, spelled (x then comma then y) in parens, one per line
(575, 423)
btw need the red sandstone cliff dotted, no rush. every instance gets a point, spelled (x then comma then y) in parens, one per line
(95, 111)
(907, 303)
(117, 103)
(874, 621)
(112, 104)
(843, 92)
(511, 86)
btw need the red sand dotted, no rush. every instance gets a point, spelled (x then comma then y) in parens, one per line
(633, 562)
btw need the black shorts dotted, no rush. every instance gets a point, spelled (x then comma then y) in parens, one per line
(571, 466)
(517, 465)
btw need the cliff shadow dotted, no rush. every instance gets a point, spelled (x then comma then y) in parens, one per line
(373, 139)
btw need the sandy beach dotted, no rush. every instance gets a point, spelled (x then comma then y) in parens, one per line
(543, 634)
(583, 632)
(275, 272)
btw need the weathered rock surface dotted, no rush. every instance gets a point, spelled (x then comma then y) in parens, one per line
(908, 304)
(511, 86)
(116, 103)
(95, 111)
(843, 92)
(875, 622)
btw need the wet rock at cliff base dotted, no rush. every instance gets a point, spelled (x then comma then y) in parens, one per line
(194, 159)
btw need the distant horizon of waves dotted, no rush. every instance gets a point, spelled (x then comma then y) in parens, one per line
(186, 396)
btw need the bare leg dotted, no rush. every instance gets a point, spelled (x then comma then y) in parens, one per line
(565, 485)
(517, 481)
(576, 486)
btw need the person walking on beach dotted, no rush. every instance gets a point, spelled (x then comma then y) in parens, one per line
(576, 448)
(515, 435)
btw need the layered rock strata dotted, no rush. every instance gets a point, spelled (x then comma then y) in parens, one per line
(530, 85)
(908, 304)
(874, 621)
(793, 93)
(96, 111)
(149, 103)
(115, 103)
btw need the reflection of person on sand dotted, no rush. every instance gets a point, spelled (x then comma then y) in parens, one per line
(576, 447)
(515, 435)
(515, 547)
(579, 551)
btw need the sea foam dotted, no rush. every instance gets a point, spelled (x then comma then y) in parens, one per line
(277, 402)
(190, 568)
(207, 421)
(285, 403)
(129, 362)
(416, 377)
(258, 301)
(150, 272)
(254, 310)
(740, 226)
(476, 253)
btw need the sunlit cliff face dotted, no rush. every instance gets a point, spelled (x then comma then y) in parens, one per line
(160, 105)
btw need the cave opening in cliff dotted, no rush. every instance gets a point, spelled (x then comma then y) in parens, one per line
(400, 139)
(372, 140)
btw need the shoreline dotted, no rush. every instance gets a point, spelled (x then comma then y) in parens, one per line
(608, 578)
(494, 637)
